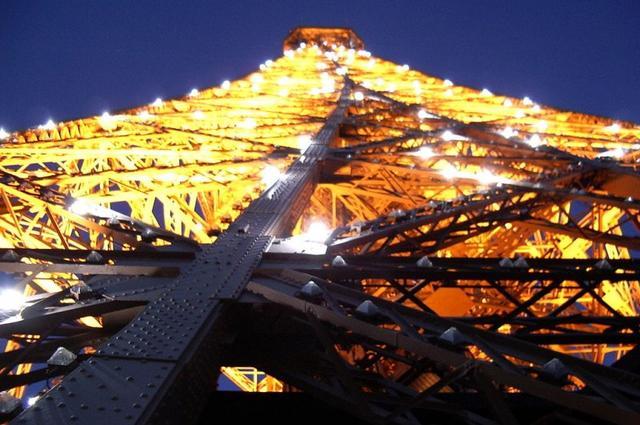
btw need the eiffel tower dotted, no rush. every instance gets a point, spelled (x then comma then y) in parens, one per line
(348, 238)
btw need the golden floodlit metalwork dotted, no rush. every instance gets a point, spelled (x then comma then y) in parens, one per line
(410, 143)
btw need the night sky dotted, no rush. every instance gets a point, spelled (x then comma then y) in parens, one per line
(65, 59)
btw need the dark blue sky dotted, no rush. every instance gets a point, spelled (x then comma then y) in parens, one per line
(70, 58)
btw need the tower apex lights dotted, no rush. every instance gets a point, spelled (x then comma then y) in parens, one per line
(322, 37)
(332, 223)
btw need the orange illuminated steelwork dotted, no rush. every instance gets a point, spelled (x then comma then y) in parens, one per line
(191, 164)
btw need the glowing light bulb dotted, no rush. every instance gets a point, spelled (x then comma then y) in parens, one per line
(144, 115)
(256, 78)
(157, 103)
(198, 115)
(422, 114)
(289, 53)
(449, 172)
(328, 85)
(448, 93)
(270, 175)
(268, 62)
(487, 177)
(3, 134)
(527, 101)
(317, 232)
(11, 300)
(194, 92)
(226, 84)
(519, 114)
(425, 152)
(83, 207)
(49, 125)
(508, 103)
(304, 141)
(613, 153)
(448, 83)
(535, 141)
(283, 81)
(341, 71)
(80, 207)
(508, 132)
(541, 125)
(416, 87)
(358, 96)
(247, 123)
(614, 128)
(32, 400)
(486, 92)
(107, 121)
(448, 135)
(535, 108)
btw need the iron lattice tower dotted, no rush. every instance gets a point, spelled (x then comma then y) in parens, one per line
(477, 265)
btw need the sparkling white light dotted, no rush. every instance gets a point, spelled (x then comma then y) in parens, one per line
(304, 140)
(11, 300)
(270, 175)
(534, 141)
(448, 136)
(144, 115)
(318, 231)
(425, 152)
(614, 128)
(247, 124)
(49, 125)
(508, 132)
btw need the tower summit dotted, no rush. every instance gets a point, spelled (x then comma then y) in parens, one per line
(336, 227)
(323, 37)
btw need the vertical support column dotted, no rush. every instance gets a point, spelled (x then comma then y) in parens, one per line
(161, 367)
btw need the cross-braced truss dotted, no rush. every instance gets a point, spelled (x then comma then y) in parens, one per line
(479, 268)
